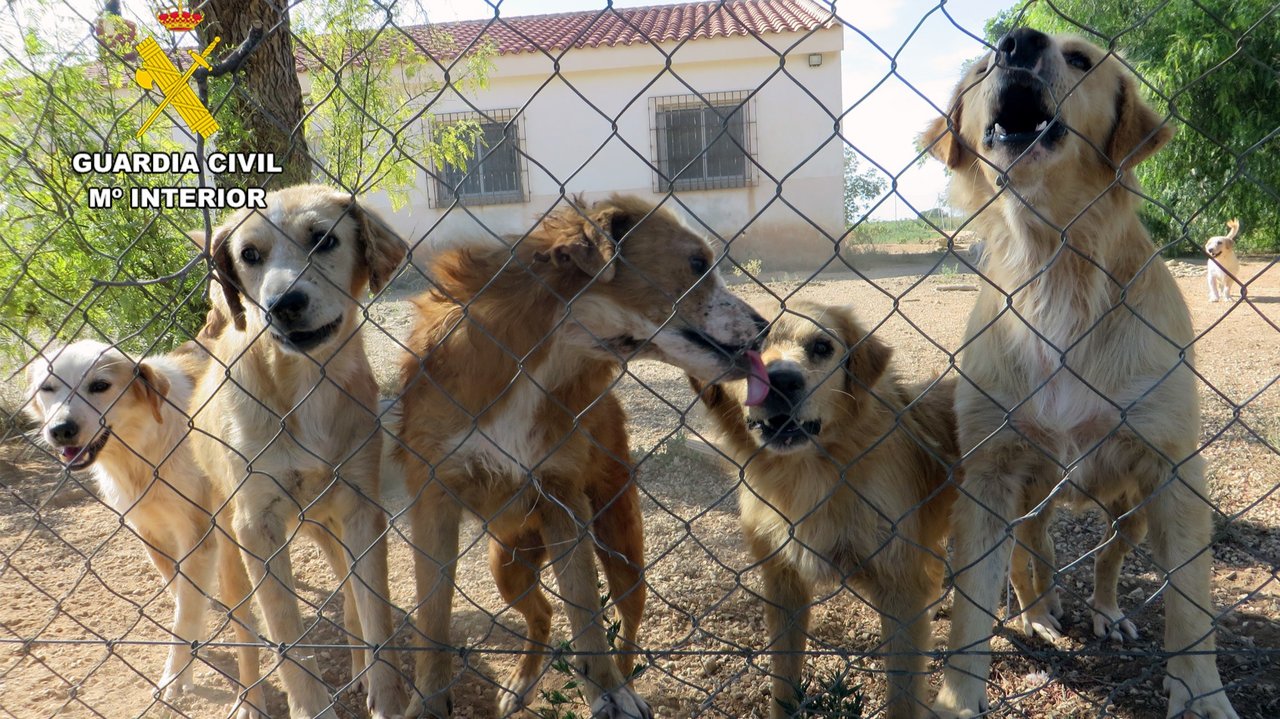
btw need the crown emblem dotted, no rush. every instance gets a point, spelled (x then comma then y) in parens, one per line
(179, 20)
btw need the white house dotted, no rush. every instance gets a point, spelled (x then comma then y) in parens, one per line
(729, 107)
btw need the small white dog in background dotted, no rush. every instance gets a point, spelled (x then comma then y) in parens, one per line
(126, 422)
(1224, 265)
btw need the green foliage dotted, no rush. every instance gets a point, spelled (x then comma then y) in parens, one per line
(60, 94)
(561, 700)
(1215, 66)
(831, 698)
(901, 232)
(54, 104)
(368, 90)
(861, 187)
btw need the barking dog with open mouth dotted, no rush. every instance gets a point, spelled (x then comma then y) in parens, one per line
(126, 422)
(1224, 265)
(1092, 368)
(509, 414)
(843, 484)
(287, 419)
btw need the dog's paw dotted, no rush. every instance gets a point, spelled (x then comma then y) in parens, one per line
(1039, 621)
(514, 693)
(176, 686)
(1110, 622)
(961, 696)
(621, 703)
(386, 698)
(1210, 702)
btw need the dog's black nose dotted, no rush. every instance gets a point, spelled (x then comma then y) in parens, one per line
(64, 432)
(288, 308)
(787, 382)
(1022, 48)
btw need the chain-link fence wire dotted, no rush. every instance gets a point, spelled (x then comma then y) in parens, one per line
(89, 631)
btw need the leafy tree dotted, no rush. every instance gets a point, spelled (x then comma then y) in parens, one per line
(369, 85)
(56, 254)
(1214, 66)
(861, 187)
(117, 273)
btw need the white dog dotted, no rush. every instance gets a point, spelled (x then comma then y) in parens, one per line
(1224, 265)
(127, 423)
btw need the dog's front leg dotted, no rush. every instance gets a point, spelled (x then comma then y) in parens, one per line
(902, 597)
(1127, 530)
(1180, 528)
(786, 615)
(261, 532)
(981, 518)
(185, 579)
(1041, 607)
(436, 517)
(364, 534)
(566, 521)
(235, 591)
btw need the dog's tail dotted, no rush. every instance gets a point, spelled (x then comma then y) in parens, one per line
(1235, 229)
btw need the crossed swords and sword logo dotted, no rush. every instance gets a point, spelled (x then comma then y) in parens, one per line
(158, 71)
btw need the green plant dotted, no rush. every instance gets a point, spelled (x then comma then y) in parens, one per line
(752, 267)
(831, 698)
(58, 256)
(367, 93)
(561, 700)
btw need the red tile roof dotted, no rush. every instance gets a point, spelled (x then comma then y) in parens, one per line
(627, 26)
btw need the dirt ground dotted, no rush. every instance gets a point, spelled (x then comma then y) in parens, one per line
(81, 609)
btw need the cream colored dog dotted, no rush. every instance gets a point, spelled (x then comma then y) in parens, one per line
(1224, 266)
(126, 422)
(845, 482)
(287, 420)
(1084, 365)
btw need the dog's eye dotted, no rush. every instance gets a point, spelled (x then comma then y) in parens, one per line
(250, 255)
(99, 385)
(699, 265)
(46, 388)
(1078, 60)
(323, 241)
(820, 348)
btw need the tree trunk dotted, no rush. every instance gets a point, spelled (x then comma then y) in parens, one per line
(264, 110)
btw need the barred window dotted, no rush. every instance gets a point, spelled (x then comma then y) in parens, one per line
(494, 173)
(702, 142)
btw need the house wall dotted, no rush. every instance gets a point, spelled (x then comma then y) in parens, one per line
(572, 145)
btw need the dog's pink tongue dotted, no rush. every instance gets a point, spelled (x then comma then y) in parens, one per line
(69, 453)
(757, 380)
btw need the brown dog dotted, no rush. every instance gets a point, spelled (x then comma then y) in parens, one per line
(508, 414)
(845, 481)
(287, 419)
(1083, 364)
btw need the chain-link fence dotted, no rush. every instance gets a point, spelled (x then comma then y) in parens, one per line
(621, 368)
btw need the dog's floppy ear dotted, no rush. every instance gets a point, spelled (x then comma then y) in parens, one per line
(1139, 131)
(869, 358)
(152, 387)
(942, 136)
(383, 248)
(590, 242)
(224, 275)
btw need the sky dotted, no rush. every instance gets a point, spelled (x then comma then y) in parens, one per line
(929, 46)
